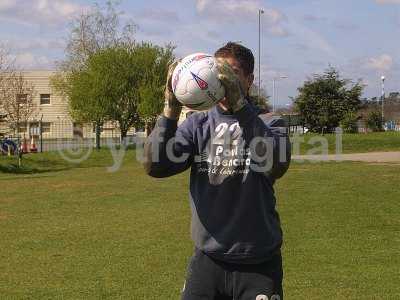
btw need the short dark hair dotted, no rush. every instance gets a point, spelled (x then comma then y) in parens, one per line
(242, 54)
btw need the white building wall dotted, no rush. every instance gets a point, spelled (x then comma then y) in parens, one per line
(56, 114)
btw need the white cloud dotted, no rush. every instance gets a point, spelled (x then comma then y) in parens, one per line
(365, 82)
(381, 63)
(312, 39)
(313, 18)
(233, 9)
(278, 31)
(42, 12)
(34, 43)
(387, 1)
(247, 10)
(158, 14)
(29, 61)
(345, 25)
(154, 22)
(6, 4)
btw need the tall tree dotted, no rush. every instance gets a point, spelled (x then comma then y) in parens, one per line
(97, 29)
(374, 121)
(151, 89)
(84, 103)
(16, 96)
(127, 84)
(324, 100)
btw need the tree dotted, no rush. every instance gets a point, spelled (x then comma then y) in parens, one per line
(349, 122)
(99, 28)
(6, 72)
(17, 100)
(391, 106)
(324, 100)
(107, 75)
(84, 103)
(374, 121)
(119, 84)
(151, 89)
(16, 96)
(125, 84)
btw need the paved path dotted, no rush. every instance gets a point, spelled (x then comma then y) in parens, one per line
(378, 157)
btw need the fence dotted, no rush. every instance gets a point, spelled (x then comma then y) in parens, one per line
(294, 123)
(64, 134)
(391, 125)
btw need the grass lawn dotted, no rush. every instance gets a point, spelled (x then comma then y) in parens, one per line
(354, 143)
(80, 232)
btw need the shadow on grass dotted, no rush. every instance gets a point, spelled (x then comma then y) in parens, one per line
(52, 162)
(15, 169)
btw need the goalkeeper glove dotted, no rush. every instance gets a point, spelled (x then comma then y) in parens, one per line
(233, 89)
(172, 107)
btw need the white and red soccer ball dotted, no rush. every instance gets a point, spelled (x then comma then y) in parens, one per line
(195, 82)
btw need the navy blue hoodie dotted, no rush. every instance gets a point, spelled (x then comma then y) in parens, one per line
(234, 160)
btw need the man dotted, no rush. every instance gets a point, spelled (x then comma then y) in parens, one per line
(235, 154)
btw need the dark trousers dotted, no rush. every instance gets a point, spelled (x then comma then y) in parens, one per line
(210, 279)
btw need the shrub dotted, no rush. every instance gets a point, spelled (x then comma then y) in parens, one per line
(374, 121)
(349, 123)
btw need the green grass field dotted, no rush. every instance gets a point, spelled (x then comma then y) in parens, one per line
(354, 143)
(80, 232)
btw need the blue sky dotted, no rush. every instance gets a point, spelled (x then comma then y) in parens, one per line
(299, 38)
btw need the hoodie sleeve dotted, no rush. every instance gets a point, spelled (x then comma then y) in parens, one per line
(169, 148)
(268, 141)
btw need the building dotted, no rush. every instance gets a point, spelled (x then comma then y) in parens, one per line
(52, 115)
(51, 110)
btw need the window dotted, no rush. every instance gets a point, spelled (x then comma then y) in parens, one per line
(22, 99)
(46, 127)
(44, 99)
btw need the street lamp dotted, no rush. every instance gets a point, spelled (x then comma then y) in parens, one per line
(260, 11)
(383, 98)
(274, 93)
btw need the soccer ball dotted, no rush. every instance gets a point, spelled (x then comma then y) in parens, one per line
(195, 82)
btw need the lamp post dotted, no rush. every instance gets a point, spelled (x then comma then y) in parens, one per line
(274, 93)
(260, 11)
(383, 98)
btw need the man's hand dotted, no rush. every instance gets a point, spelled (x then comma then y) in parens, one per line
(172, 107)
(233, 89)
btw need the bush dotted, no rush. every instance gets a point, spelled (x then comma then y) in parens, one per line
(349, 123)
(374, 121)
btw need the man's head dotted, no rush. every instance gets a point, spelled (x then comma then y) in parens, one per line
(241, 60)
